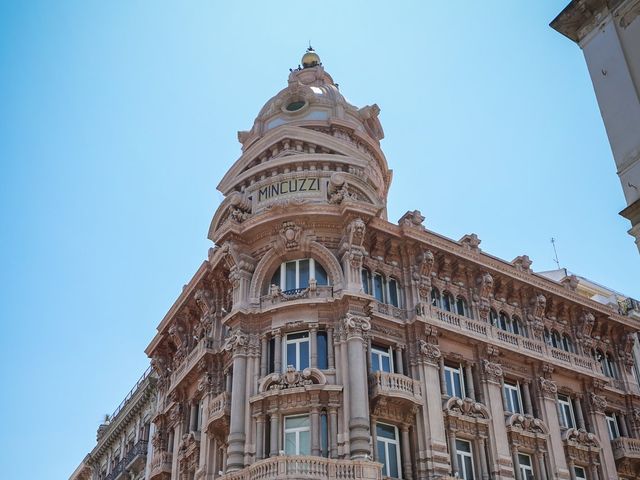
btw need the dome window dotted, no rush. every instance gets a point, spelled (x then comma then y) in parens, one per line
(295, 106)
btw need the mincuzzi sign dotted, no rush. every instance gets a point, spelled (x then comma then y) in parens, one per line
(284, 187)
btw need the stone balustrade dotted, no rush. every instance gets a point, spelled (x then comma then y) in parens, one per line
(395, 385)
(527, 346)
(308, 467)
(203, 347)
(390, 311)
(317, 292)
(624, 447)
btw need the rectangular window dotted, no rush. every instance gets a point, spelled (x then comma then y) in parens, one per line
(303, 273)
(512, 395)
(612, 423)
(381, 359)
(526, 469)
(454, 380)
(465, 459)
(290, 276)
(296, 351)
(567, 418)
(393, 292)
(323, 362)
(388, 450)
(324, 435)
(366, 281)
(580, 473)
(297, 433)
(378, 287)
(272, 359)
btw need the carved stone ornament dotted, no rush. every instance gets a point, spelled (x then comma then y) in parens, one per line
(429, 350)
(205, 302)
(471, 242)
(492, 370)
(527, 423)
(538, 305)
(548, 387)
(291, 379)
(466, 407)
(582, 437)
(338, 189)
(413, 219)
(522, 263)
(290, 234)
(240, 207)
(484, 293)
(356, 324)
(237, 338)
(355, 233)
(598, 402)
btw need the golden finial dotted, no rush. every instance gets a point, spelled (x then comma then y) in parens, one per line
(310, 58)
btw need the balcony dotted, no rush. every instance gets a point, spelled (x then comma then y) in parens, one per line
(527, 346)
(388, 310)
(116, 472)
(136, 458)
(395, 386)
(219, 411)
(309, 468)
(312, 292)
(626, 448)
(183, 371)
(161, 466)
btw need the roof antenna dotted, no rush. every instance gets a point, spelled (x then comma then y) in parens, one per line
(553, 242)
(310, 49)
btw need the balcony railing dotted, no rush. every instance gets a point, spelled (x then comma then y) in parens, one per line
(138, 451)
(277, 296)
(115, 472)
(390, 310)
(308, 467)
(526, 345)
(160, 464)
(219, 406)
(624, 447)
(205, 345)
(396, 385)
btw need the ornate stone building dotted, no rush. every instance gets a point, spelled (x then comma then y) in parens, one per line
(321, 341)
(122, 450)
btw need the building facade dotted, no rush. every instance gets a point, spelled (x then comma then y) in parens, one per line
(321, 341)
(608, 32)
(122, 448)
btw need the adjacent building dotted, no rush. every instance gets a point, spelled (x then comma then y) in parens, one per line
(319, 340)
(608, 32)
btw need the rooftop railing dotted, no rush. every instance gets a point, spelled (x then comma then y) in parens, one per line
(131, 393)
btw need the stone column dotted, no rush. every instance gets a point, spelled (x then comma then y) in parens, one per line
(356, 326)
(193, 416)
(455, 468)
(623, 426)
(572, 471)
(277, 354)
(516, 463)
(313, 345)
(492, 380)
(443, 382)
(406, 452)
(484, 471)
(470, 388)
(399, 366)
(264, 352)
(260, 436)
(548, 401)
(542, 470)
(315, 430)
(330, 359)
(273, 441)
(436, 458)
(598, 405)
(237, 342)
(333, 431)
(526, 394)
(579, 416)
(374, 438)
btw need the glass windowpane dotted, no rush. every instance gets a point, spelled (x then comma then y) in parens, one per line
(303, 273)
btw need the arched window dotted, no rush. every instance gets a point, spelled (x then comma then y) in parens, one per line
(493, 317)
(394, 294)
(518, 328)
(504, 322)
(556, 342)
(611, 369)
(547, 336)
(462, 308)
(296, 274)
(435, 297)
(448, 303)
(567, 344)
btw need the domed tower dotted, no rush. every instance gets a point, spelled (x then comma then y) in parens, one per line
(308, 149)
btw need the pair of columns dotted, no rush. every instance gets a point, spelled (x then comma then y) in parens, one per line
(469, 383)
(479, 453)
(538, 463)
(407, 469)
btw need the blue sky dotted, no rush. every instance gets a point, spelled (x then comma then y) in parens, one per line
(118, 119)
